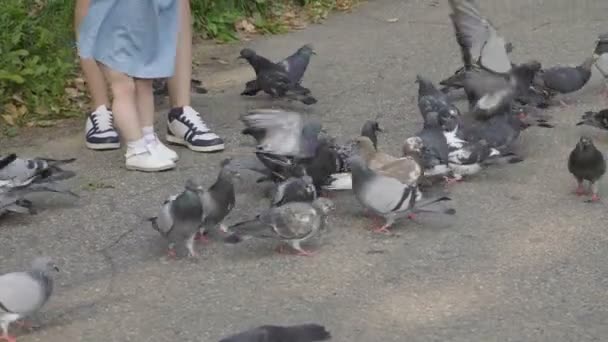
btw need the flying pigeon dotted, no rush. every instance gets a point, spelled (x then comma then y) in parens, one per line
(431, 101)
(274, 79)
(564, 79)
(482, 47)
(405, 169)
(219, 199)
(299, 188)
(274, 333)
(595, 119)
(293, 223)
(24, 293)
(179, 219)
(386, 196)
(296, 64)
(587, 163)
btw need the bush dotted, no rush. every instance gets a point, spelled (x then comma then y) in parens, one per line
(38, 66)
(36, 58)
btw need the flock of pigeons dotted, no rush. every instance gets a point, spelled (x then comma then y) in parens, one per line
(303, 161)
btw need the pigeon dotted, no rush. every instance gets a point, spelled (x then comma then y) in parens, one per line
(296, 64)
(564, 79)
(25, 171)
(387, 196)
(295, 223)
(281, 132)
(274, 80)
(431, 101)
(299, 188)
(274, 333)
(431, 148)
(370, 129)
(219, 199)
(481, 45)
(24, 293)
(587, 163)
(405, 169)
(179, 219)
(595, 119)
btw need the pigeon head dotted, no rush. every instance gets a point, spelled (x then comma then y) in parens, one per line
(229, 170)
(325, 205)
(448, 122)
(247, 54)
(584, 143)
(413, 145)
(370, 129)
(44, 265)
(307, 50)
(310, 186)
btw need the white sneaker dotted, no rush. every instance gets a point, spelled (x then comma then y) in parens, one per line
(100, 133)
(163, 151)
(186, 127)
(146, 161)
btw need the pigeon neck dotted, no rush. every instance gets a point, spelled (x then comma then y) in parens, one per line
(45, 280)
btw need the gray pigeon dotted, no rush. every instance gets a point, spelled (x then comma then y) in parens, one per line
(282, 133)
(595, 119)
(24, 293)
(294, 223)
(296, 64)
(179, 220)
(386, 196)
(274, 80)
(219, 199)
(587, 163)
(564, 79)
(431, 101)
(275, 333)
(299, 188)
(370, 129)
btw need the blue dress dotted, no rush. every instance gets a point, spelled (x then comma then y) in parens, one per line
(135, 37)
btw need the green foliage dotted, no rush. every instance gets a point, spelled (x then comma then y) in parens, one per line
(36, 58)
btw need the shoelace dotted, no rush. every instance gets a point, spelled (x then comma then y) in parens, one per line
(102, 121)
(194, 119)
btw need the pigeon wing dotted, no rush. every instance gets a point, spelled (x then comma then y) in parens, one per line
(20, 293)
(283, 130)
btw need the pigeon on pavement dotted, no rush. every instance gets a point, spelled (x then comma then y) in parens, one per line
(275, 333)
(405, 169)
(299, 188)
(294, 223)
(595, 119)
(219, 199)
(24, 293)
(274, 80)
(179, 220)
(386, 196)
(431, 101)
(296, 64)
(370, 129)
(587, 163)
(564, 79)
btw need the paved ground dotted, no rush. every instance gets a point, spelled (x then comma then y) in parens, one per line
(524, 260)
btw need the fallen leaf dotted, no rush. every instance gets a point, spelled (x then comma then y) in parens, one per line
(41, 110)
(9, 119)
(245, 26)
(72, 92)
(45, 123)
(11, 109)
(18, 99)
(392, 20)
(21, 110)
(221, 61)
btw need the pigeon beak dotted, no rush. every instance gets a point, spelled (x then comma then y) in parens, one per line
(314, 52)
(580, 123)
(56, 268)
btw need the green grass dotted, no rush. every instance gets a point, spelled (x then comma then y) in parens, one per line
(38, 66)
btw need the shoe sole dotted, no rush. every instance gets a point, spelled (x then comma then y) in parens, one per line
(165, 168)
(101, 147)
(178, 141)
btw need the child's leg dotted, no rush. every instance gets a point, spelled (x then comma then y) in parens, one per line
(99, 130)
(139, 157)
(145, 108)
(185, 125)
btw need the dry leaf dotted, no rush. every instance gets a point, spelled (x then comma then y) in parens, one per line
(17, 98)
(80, 84)
(9, 119)
(392, 20)
(221, 61)
(42, 110)
(245, 26)
(21, 110)
(72, 92)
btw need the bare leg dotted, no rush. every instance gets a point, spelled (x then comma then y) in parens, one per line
(180, 84)
(145, 102)
(124, 105)
(93, 73)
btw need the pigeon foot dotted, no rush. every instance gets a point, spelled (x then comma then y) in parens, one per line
(303, 252)
(8, 338)
(201, 238)
(25, 324)
(580, 191)
(382, 230)
(451, 181)
(594, 199)
(171, 254)
(411, 216)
